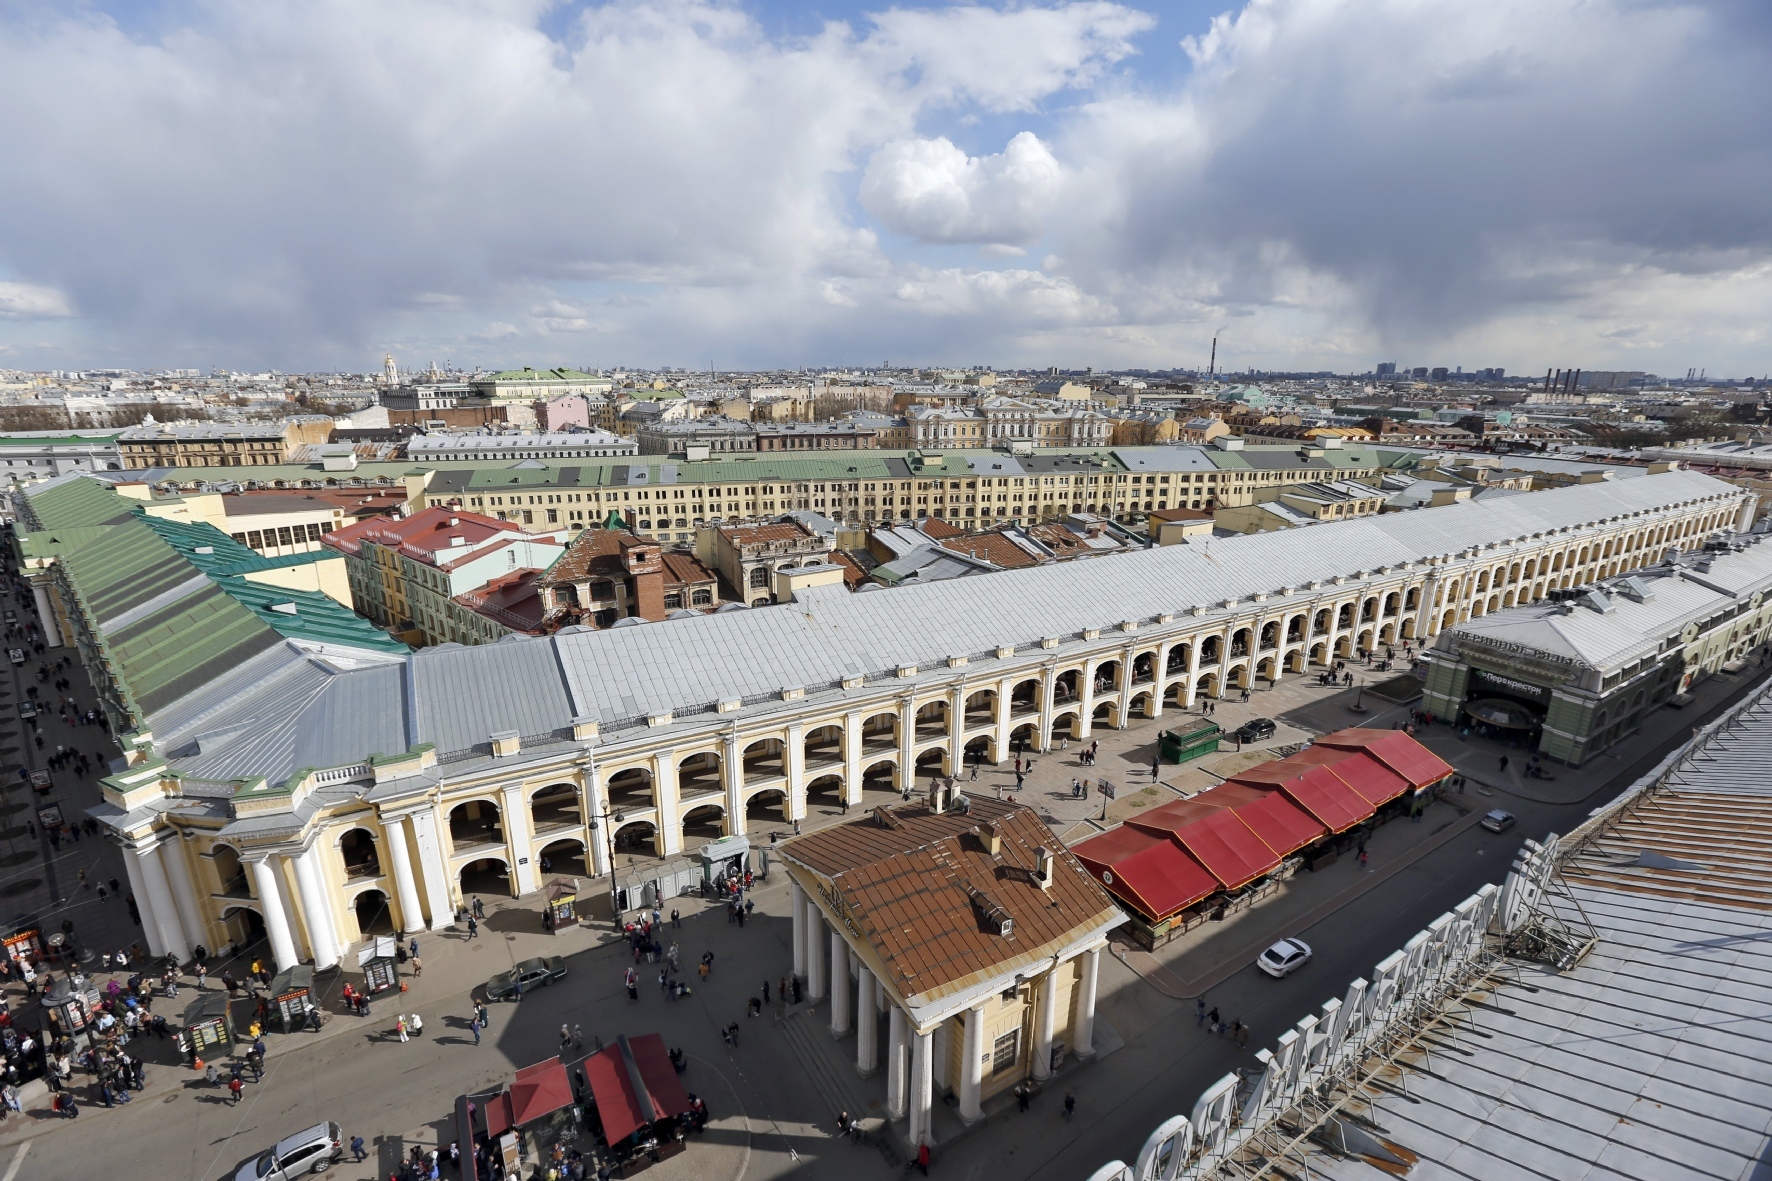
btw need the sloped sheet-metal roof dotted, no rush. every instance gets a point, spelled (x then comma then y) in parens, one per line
(1228, 848)
(1376, 783)
(1281, 824)
(1396, 750)
(1150, 873)
(1315, 789)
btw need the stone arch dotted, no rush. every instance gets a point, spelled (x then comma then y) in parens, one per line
(1177, 662)
(476, 822)
(769, 804)
(981, 708)
(373, 915)
(1024, 697)
(1026, 737)
(1409, 627)
(1320, 623)
(879, 732)
(230, 871)
(1319, 653)
(1240, 640)
(1295, 629)
(825, 791)
(555, 805)
(931, 762)
(1267, 670)
(1390, 605)
(631, 787)
(824, 746)
(1206, 686)
(1295, 661)
(931, 719)
(1107, 676)
(1369, 609)
(704, 822)
(880, 776)
(1270, 634)
(1144, 705)
(1211, 650)
(243, 924)
(765, 758)
(1344, 618)
(637, 834)
(486, 875)
(564, 855)
(1365, 641)
(1448, 620)
(1387, 634)
(1144, 667)
(356, 847)
(699, 773)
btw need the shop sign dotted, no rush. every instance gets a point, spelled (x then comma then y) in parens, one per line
(1524, 688)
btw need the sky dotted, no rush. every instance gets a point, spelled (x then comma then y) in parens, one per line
(1320, 184)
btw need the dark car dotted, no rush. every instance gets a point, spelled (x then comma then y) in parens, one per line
(530, 974)
(1256, 729)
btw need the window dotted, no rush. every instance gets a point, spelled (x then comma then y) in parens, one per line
(1005, 1051)
(760, 577)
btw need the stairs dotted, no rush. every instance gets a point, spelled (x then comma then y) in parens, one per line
(827, 1063)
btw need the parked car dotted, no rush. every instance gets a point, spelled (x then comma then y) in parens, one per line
(1496, 820)
(16, 655)
(1284, 958)
(1256, 729)
(310, 1151)
(531, 974)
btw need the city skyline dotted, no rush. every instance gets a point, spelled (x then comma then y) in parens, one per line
(751, 186)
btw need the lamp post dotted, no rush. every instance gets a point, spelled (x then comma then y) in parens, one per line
(609, 837)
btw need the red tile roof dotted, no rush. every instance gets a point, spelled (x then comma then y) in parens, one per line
(993, 548)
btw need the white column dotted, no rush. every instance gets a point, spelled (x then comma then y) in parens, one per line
(867, 1021)
(1048, 686)
(971, 1065)
(1125, 709)
(515, 814)
(595, 806)
(1000, 746)
(839, 984)
(152, 929)
(1193, 672)
(957, 731)
(852, 759)
(815, 965)
(165, 910)
(184, 891)
(315, 910)
(907, 745)
(664, 795)
(412, 917)
(270, 901)
(433, 869)
(1083, 1023)
(1044, 1020)
(795, 765)
(896, 1075)
(922, 1090)
(732, 775)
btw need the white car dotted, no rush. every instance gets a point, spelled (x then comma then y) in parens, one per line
(1284, 958)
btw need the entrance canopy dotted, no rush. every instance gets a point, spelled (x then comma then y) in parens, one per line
(635, 1085)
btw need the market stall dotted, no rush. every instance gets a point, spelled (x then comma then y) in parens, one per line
(290, 998)
(641, 1110)
(208, 1027)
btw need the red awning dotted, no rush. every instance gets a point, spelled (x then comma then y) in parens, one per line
(634, 1085)
(1396, 750)
(1228, 848)
(1176, 815)
(498, 1115)
(1319, 792)
(1282, 825)
(539, 1090)
(1150, 873)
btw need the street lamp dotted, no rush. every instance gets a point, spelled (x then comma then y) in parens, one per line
(609, 837)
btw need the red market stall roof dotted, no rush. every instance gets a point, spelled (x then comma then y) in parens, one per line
(539, 1090)
(498, 1115)
(1148, 872)
(1396, 750)
(1377, 784)
(1315, 789)
(1228, 848)
(1281, 824)
(634, 1084)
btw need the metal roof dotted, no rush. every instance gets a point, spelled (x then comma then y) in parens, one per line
(686, 666)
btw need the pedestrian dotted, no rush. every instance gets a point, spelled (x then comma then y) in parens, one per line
(765, 990)
(565, 1035)
(473, 927)
(578, 1037)
(1070, 1104)
(357, 1151)
(473, 1025)
(1364, 857)
(479, 908)
(781, 989)
(1021, 1097)
(412, 948)
(400, 1027)
(1200, 1011)
(235, 1086)
(1156, 766)
(632, 982)
(923, 1159)
(1504, 762)
(1213, 1018)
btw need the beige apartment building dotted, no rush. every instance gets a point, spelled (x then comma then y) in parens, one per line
(214, 444)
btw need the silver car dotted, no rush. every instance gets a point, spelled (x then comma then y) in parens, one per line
(1284, 958)
(312, 1151)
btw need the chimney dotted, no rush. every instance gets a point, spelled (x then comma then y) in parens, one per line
(1043, 867)
(938, 798)
(993, 841)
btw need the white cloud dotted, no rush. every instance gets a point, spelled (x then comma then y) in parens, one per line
(931, 190)
(299, 182)
(28, 301)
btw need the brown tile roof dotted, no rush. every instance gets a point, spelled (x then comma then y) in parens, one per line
(592, 553)
(683, 568)
(937, 529)
(914, 891)
(853, 574)
(993, 548)
(1181, 514)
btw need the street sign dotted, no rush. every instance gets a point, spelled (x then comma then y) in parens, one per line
(1106, 788)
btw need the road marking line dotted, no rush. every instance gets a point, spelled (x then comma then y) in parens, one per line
(17, 1161)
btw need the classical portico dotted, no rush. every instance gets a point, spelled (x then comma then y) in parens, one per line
(977, 982)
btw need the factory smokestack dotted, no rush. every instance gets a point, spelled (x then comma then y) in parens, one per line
(1212, 365)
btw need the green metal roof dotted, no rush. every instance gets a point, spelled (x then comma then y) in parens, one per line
(29, 440)
(74, 499)
(527, 374)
